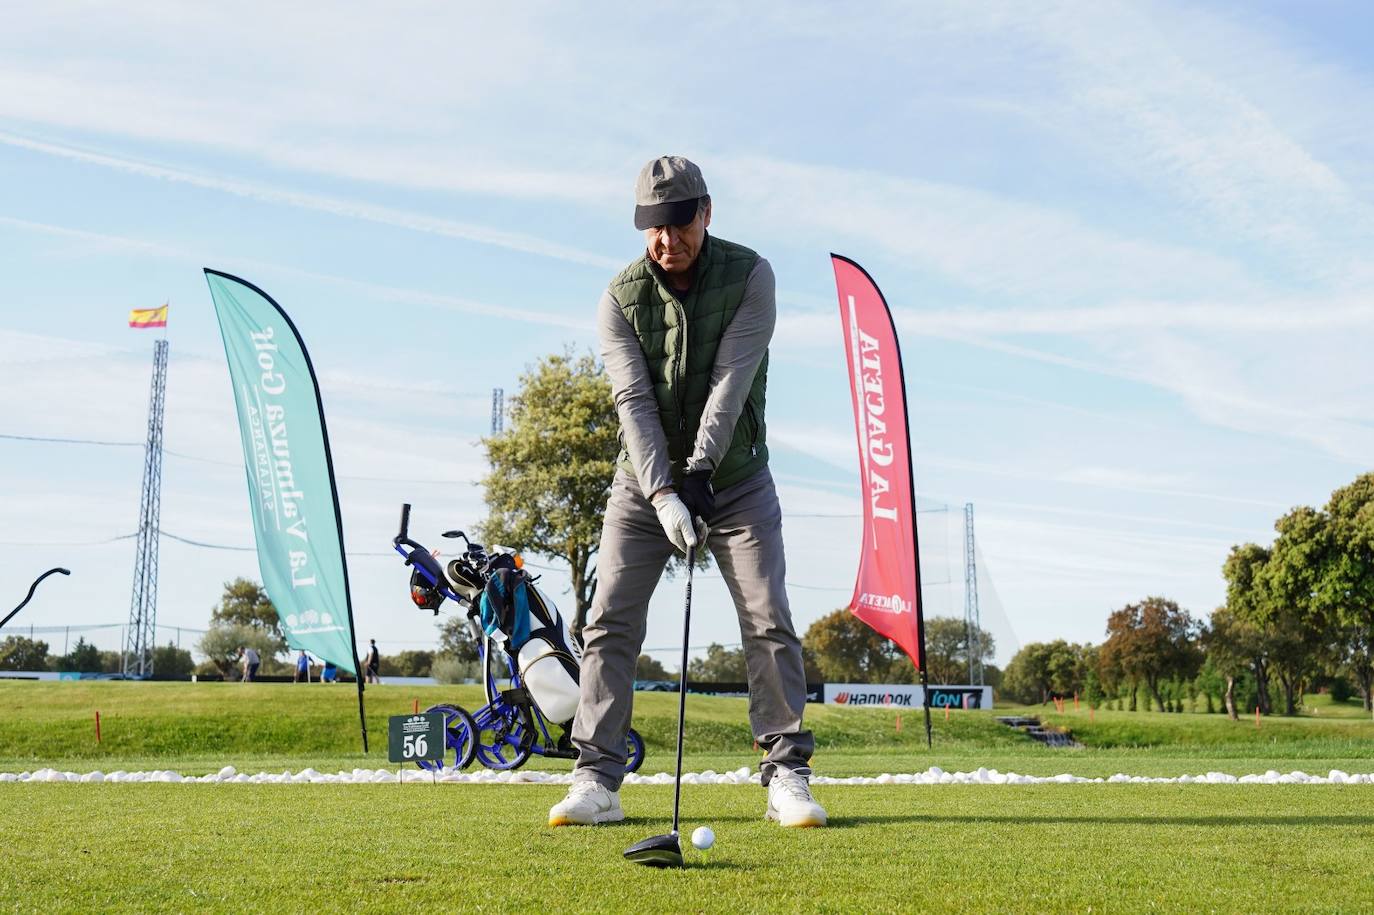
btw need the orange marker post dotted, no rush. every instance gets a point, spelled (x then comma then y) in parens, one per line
(417, 706)
(899, 724)
(1075, 700)
(947, 713)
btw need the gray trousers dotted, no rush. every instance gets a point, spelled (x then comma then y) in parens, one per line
(746, 541)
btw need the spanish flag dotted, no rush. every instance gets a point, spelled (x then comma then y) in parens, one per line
(148, 317)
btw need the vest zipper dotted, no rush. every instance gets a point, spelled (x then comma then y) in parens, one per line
(754, 421)
(682, 377)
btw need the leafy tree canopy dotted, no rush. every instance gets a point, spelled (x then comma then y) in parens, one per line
(20, 653)
(245, 603)
(551, 468)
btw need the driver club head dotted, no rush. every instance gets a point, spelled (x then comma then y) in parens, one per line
(656, 851)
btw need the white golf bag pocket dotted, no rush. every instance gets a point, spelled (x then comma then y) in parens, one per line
(544, 670)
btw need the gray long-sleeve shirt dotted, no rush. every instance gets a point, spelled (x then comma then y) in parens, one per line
(742, 347)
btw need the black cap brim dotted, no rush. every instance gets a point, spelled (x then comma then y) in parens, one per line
(676, 213)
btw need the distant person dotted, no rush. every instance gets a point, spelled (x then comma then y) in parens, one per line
(374, 663)
(251, 662)
(330, 673)
(303, 668)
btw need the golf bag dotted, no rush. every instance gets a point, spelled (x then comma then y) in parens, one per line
(516, 614)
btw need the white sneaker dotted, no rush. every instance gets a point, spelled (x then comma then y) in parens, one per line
(587, 803)
(790, 801)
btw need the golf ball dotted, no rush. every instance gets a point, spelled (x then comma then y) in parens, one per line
(703, 838)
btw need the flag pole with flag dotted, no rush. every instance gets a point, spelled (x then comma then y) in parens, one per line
(887, 592)
(141, 318)
(291, 486)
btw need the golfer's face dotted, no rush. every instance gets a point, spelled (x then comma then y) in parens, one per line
(675, 248)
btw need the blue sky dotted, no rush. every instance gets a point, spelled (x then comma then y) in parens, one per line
(1127, 246)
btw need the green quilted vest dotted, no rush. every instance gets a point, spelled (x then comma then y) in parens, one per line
(679, 333)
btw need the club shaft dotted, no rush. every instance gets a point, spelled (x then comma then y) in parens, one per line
(682, 686)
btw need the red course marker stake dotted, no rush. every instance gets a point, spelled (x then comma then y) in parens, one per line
(417, 706)
(97, 726)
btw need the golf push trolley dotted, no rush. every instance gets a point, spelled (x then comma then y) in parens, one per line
(506, 616)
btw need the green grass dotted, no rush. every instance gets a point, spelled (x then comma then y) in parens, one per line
(399, 848)
(270, 727)
(1117, 848)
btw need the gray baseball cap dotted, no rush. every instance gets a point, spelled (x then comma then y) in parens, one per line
(668, 192)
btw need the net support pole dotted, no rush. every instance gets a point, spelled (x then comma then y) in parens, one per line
(925, 701)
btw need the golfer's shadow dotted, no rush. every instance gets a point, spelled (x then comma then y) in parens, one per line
(1210, 821)
(837, 822)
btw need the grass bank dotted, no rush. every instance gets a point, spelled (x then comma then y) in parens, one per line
(195, 728)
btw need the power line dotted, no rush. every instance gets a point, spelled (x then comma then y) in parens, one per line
(68, 542)
(69, 441)
(208, 546)
(237, 465)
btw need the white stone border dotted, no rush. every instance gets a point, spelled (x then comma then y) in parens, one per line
(742, 776)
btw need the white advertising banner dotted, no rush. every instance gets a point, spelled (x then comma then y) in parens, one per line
(907, 695)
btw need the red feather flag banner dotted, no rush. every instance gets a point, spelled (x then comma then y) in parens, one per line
(887, 593)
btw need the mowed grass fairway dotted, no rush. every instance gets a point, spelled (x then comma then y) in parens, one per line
(270, 848)
(287, 848)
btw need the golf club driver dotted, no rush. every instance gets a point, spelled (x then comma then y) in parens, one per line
(666, 850)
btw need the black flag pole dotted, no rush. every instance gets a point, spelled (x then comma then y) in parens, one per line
(915, 521)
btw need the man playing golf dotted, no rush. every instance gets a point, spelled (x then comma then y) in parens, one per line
(684, 335)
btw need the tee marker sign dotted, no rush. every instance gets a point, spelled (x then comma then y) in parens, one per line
(416, 738)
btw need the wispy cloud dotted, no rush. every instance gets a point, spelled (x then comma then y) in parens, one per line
(335, 206)
(379, 291)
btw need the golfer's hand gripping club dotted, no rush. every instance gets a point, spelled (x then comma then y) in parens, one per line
(676, 520)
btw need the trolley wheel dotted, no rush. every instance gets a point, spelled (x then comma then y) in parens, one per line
(505, 735)
(634, 751)
(460, 738)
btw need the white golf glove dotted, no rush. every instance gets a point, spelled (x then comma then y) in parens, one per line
(676, 521)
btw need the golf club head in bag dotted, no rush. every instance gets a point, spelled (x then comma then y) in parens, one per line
(666, 850)
(657, 851)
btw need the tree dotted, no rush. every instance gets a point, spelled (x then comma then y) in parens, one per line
(1295, 617)
(845, 649)
(947, 649)
(171, 661)
(223, 644)
(457, 642)
(721, 665)
(1346, 586)
(83, 658)
(646, 668)
(245, 603)
(1042, 669)
(20, 653)
(551, 469)
(1233, 646)
(1247, 597)
(1154, 641)
(408, 663)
